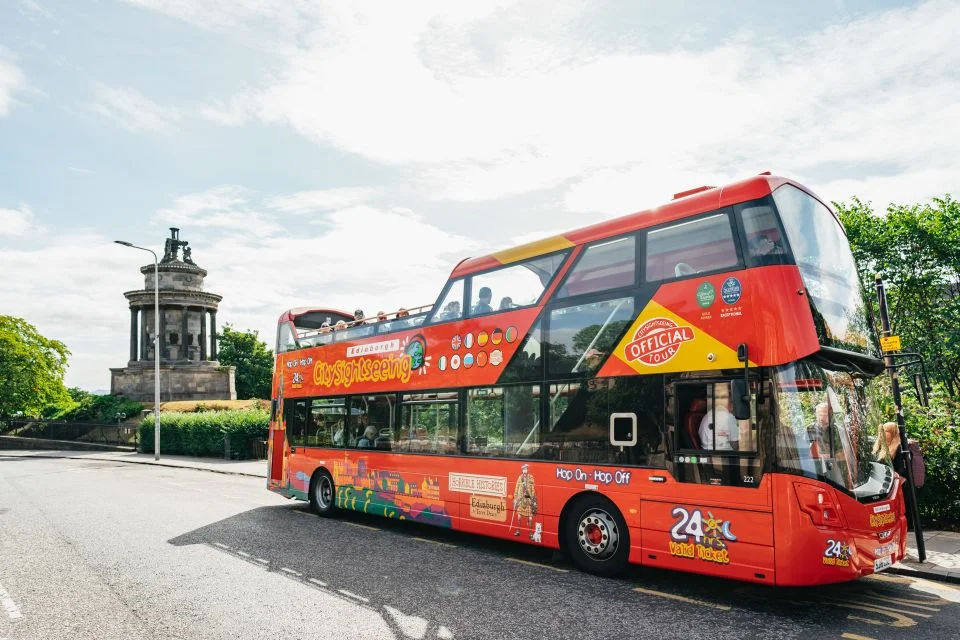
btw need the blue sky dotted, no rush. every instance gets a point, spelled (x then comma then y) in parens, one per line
(349, 154)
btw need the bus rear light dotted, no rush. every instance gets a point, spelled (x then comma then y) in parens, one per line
(819, 504)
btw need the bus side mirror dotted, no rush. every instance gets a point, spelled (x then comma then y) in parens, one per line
(740, 395)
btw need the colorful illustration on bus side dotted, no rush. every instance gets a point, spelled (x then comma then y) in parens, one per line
(389, 494)
(710, 536)
(525, 505)
(837, 553)
(416, 348)
(488, 494)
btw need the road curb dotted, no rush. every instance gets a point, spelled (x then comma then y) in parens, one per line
(143, 462)
(920, 573)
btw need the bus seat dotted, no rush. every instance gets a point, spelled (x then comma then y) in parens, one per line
(691, 424)
(683, 269)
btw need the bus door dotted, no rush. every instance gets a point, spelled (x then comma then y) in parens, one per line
(715, 517)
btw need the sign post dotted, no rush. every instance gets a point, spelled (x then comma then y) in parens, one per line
(890, 343)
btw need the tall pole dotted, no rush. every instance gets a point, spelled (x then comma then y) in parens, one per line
(156, 346)
(905, 455)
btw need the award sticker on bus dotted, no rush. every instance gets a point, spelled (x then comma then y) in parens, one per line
(890, 343)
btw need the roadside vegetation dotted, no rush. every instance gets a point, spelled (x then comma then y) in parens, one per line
(204, 433)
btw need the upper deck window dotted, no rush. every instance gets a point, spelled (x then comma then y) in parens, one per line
(286, 340)
(605, 265)
(451, 306)
(691, 247)
(516, 285)
(766, 243)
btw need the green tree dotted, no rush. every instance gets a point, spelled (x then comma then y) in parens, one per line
(31, 369)
(251, 357)
(916, 249)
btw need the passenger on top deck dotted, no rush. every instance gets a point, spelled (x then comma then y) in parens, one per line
(451, 311)
(381, 316)
(506, 303)
(483, 304)
(358, 316)
(402, 313)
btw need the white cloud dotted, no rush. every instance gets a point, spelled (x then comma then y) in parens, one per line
(134, 111)
(16, 222)
(224, 208)
(321, 199)
(11, 79)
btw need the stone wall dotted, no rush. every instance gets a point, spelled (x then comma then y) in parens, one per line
(189, 382)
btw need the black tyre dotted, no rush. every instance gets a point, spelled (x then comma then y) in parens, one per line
(596, 536)
(322, 494)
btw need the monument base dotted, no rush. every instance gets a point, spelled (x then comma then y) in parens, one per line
(188, 381)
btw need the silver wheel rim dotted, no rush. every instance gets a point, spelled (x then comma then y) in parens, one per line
(598, 534)
(324, 492)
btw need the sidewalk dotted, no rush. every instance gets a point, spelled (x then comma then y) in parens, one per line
(254, 468)
(943, 557)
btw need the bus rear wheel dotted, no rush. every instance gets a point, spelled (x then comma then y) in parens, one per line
(322, 494)
(596, 536)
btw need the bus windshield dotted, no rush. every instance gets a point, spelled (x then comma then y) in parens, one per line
(828, 423)
(828, 269)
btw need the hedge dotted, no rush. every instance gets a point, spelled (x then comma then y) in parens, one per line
(935, 430)
(203, 434)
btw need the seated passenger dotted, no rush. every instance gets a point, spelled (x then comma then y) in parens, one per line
(368, 439)
(483, 302)
(720, 427)
(402, 313)
(506, 303)
(451, 311)
(340, 325)
(381, 316)
(358, 316)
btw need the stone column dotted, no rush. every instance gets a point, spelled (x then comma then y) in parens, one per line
(184, 354)
(203, 333)
(133, 334)
(144, 335)
(213, 335)
(161, 322)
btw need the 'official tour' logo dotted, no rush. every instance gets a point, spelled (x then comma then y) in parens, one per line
(656, 341)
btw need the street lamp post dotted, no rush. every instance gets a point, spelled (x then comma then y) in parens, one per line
(156, 347)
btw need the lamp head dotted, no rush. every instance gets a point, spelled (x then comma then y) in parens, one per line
(124, 243)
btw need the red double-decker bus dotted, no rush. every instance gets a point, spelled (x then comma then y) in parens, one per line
(687, 387)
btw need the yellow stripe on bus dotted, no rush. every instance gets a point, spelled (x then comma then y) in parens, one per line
(531, 249)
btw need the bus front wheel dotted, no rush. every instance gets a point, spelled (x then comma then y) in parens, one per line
(322, 494)
(596, 536)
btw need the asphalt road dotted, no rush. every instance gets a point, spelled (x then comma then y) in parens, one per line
(109, 550)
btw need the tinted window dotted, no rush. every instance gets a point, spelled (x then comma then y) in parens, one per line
(527, 363)
(691, 247)
(579, 425)
(295, 416)
(503, 421)
(602, 266)
(405, 322)
(765, 241)
(325, 425)
(428, 423)
(451, 307)
(517, 285)
(581, 336)
(371, 421)
(353, 333)
(707, 422)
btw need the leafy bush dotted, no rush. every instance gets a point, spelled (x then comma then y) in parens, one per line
(203, 434)
(86, 407)
(936, 431)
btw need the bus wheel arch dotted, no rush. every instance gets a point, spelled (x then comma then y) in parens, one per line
(594, 534)
(323, 492)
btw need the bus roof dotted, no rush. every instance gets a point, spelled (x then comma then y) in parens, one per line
(686, 203)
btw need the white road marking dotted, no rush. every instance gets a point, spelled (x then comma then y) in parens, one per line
(243, 553)
(317, 582)
(673, 596)
(296, 573)
(222, 546)
(13, 611)
(353, 595)
(262, 560)
(537, 564)
(362, 526)
(445, 544)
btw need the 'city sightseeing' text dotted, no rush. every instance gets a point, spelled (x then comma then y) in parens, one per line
(344, 373)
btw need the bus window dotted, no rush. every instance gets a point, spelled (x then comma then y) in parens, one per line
(765, 240)
(605, 265)
(517, 285)
(687, 248)
(450, 307)
(295, 414)
(503, 421)
(326, 422)
(579, 427)
(428, 423)
(706, 421)
(581, 336)
(286, 340)
(527, 363)
(371, 421)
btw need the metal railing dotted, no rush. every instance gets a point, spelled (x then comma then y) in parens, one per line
(98, 433)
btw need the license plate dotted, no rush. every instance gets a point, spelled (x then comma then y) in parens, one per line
(882, 563)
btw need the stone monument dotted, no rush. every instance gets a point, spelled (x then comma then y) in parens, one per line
(188, 348)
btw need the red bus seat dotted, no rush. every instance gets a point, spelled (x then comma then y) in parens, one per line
(691, 424)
